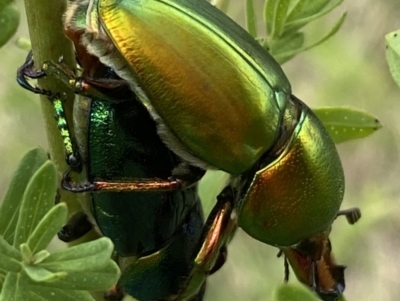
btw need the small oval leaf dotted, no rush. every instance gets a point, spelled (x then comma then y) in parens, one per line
(38, 198)
(306, 8)
(393, 54)
(48, 227)
(251, 21)
(313, 15)
(92, 256)
(39, 274)
(24, 44)
(9, 210)
(345, 124)
(97, 280)
(280, 18)
(269, 15)
(40, 256)
(284, 54)
(9, 21)
(43, 293)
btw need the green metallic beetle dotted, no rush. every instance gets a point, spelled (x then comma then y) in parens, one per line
(311, 260)
(221, 102)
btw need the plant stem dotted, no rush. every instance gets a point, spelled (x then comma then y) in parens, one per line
(49, 43)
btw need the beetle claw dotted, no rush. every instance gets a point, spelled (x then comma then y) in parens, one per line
(27, 71)
(352, 215)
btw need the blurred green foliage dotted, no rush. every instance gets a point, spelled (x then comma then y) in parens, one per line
(29, 221)
(349, 69)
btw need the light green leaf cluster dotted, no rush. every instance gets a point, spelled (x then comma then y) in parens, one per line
(393, 54)
(284, 22)
(9, 20)
(28, 222)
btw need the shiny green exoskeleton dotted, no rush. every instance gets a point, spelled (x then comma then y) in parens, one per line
(221, 101)
(162, 245)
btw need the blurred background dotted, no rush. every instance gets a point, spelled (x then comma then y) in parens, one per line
(348, 70)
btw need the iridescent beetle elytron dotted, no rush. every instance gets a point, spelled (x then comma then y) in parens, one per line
(162, 245)
(220, 101)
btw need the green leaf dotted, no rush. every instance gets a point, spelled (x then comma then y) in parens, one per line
(15, 288)
(88, 279)
(333, 30)
(393, 54)
(269, 15)
(251, 21)
(40, 293)
(48, 227)
(292, 292)
(210, 186)
(24, 44)
(306, 8)
(8, 250)
(9, 21)
(40, 274)
(284, 49)
(26, 253)
(40, 256)
(4, 3)
(89, 256)
(10, 258)
(38, 198)
(282, 57)
(18, 287)
(319, 12)
(345, 124)
(9, 210)
(10, 264)
(280, 18)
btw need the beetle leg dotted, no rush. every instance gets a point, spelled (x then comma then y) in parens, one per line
(352, 214)
(182, 179)
(285, 266)
(77, 226)
(217, 233)
(322, 275)
(114, 294)
(113, 90)
(287, 270)
(137, 184)
(313, 263)
(26, 71)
